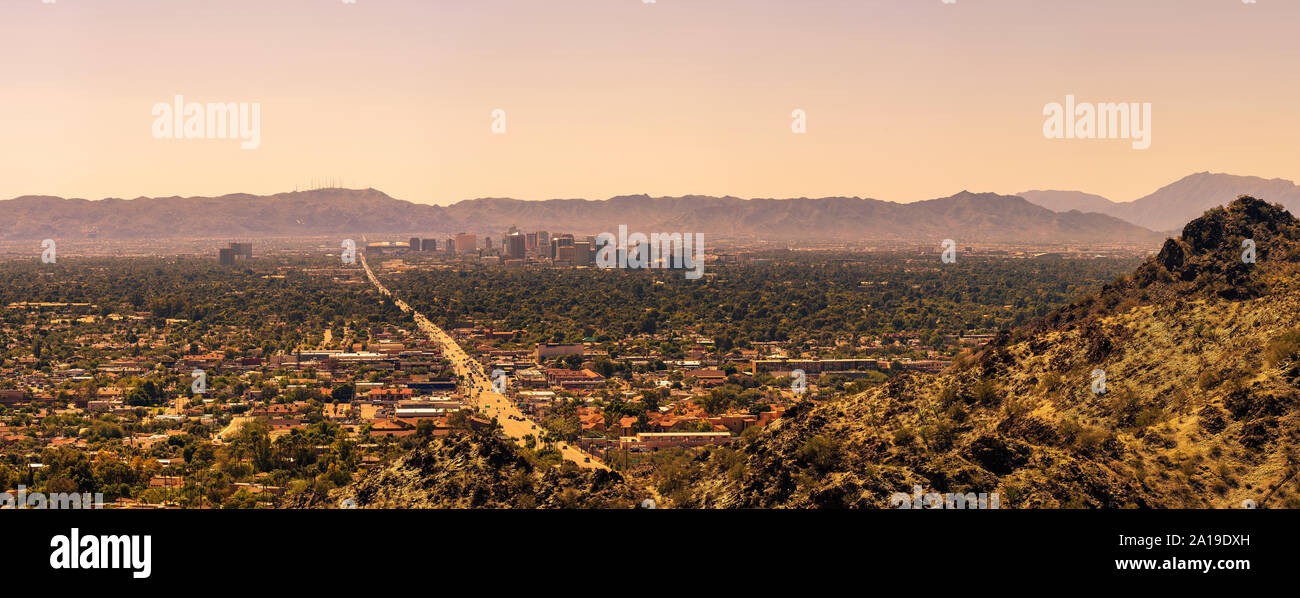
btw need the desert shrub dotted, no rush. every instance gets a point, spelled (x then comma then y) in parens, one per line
(948, 395)
(986, 393)
(1014, 408)
(957, 414)
(1225, 473)
(729, 460)
(962, 361)
(1090, 441)
(822, 452)
(1209, 379)
(1069, 429)
(942, 435)
(1179, 400)
(1049, 382)
(904, 437)
(1125, 407)
(1099, 345)
(1282, 349)
(1149, 416)
(1011, 492)
(672, 471)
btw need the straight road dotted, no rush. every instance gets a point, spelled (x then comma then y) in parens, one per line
(478, 386)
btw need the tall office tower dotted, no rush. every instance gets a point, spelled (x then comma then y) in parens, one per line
(530, 242)
(242, 250)
(415, 244)
(515, 246)
(428, 245)
(582, 253)
(466, 243)
(226, 256)
(487, 243)
(544, 243)
(558, 241)
(451, 245)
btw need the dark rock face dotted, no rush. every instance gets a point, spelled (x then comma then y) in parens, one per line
(1173, 255)
(997, 455)
(1251, 403)
(1216, 243)
(1246, 218)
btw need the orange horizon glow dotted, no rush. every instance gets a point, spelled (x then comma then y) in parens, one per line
(905, 99)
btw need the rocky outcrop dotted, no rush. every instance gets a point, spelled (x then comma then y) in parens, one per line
(1200, 353)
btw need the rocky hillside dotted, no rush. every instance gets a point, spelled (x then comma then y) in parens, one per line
(1201, 359)
(477, 471)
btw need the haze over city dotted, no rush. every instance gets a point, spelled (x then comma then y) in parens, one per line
(904, 100)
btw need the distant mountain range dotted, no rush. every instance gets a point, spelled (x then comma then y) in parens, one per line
(965, 217)
(984, 217)
(286, 214)
(1176, 204)
(1033, 216)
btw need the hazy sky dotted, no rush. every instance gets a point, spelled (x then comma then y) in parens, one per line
(905, 99)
